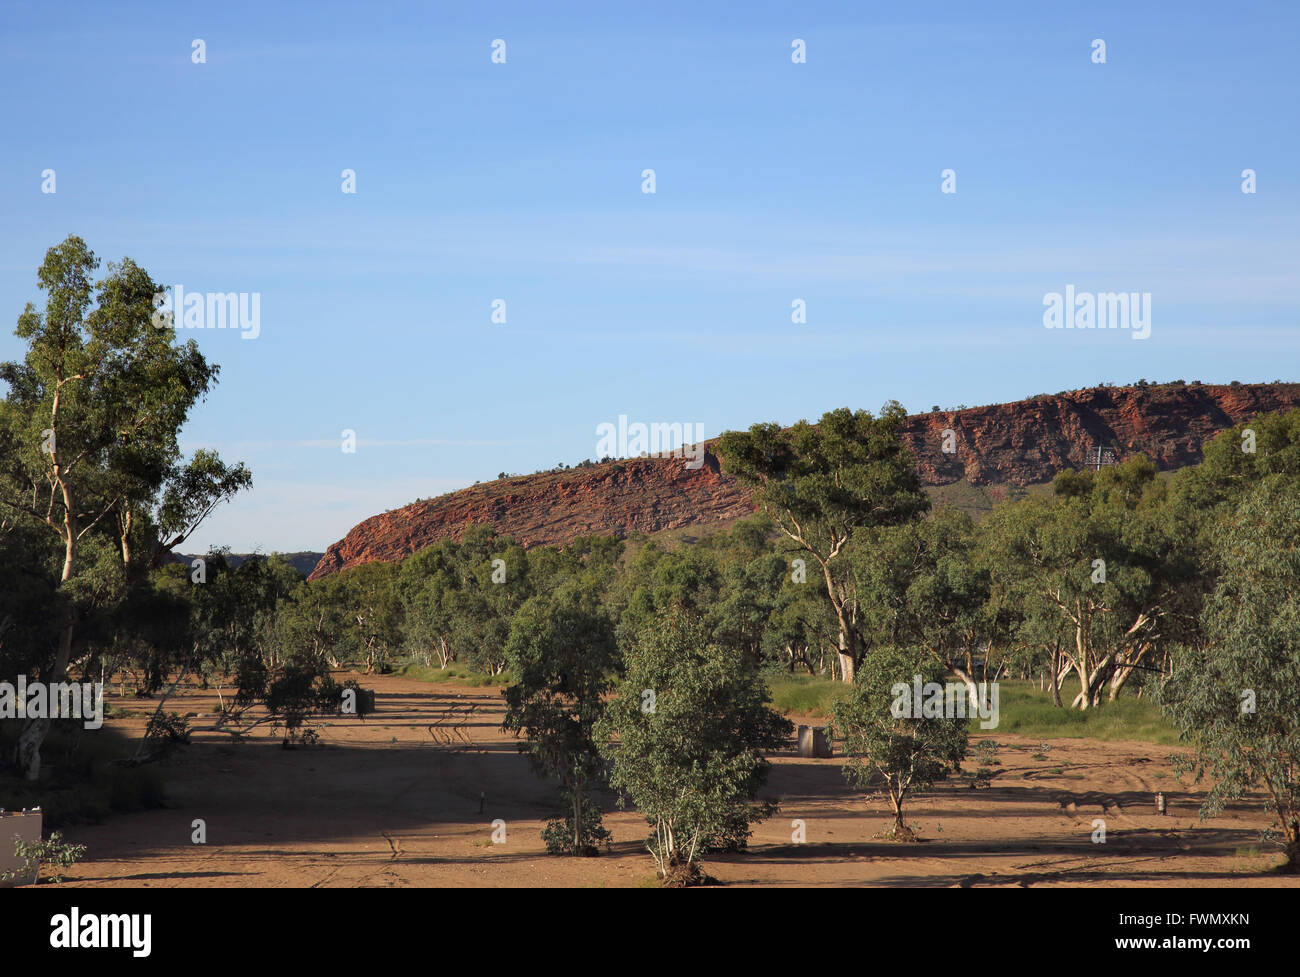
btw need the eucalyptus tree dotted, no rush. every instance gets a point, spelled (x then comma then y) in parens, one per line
(908, 749)
(686, 733)
(89, 430)
(1236, 696)
(563, 655)
(824, 485)
(1103, 559)
(923, 586)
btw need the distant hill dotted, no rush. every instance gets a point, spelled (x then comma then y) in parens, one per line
(303, 562)
(995, 448)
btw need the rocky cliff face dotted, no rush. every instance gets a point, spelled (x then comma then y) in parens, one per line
(1031, 440)
(1021, 443)
(616, 498)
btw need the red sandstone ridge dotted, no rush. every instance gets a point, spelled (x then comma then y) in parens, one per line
(551, 508)
(1021, 443)
(1031, 440)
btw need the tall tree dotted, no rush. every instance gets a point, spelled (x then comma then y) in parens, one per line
(1103, 558)
(823, 485)
(563, 656)
(1236, 697)
(90, 422)
(923, 586)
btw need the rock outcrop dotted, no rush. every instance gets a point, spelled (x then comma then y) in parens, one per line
(1021, 443)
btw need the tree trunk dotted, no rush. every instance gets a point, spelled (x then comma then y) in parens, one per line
(1124, 672)
(847, 664)
(157, 713)
(577, 817)
(896, 802)
(972, 690)
(27, 754)
(1084, 698)
(1054, 677)
(126, 523)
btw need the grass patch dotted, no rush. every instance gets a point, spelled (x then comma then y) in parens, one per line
(1026, 711)
(461, 674)
(79, 780)
(1022, 710)
(805, 695)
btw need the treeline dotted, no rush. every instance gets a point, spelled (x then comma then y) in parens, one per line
(1094, 590)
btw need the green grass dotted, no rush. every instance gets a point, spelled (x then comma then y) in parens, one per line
(805, 695)
(452, 673)
(1022, 710)
(1027, 712)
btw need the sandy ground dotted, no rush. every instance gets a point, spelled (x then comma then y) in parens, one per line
(393, 799)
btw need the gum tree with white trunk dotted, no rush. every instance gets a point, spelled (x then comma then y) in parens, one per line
(825, 485)
(89, 431)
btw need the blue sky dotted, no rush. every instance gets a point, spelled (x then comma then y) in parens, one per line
(775, 181)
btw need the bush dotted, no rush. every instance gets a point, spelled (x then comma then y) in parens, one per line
(168, 728)
(559, 834)
(52, 851)
(685, 735)
(909, 752)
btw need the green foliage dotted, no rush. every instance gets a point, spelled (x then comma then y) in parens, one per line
(908, 753)
(456, 602)
(686, 733)
(50, 851)
(295, 691)
(87, 780)
(563, 653)
(168, 728)
(1025, 711)
(89, 436)
(562, 838)
(1228, 471)
(1236, 696)
(926, 584)
(805, 695)
(461, 674)
(986, 758)
(1099, 578)
(824, 485)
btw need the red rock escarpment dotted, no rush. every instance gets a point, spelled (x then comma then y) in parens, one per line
(1020, 443)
